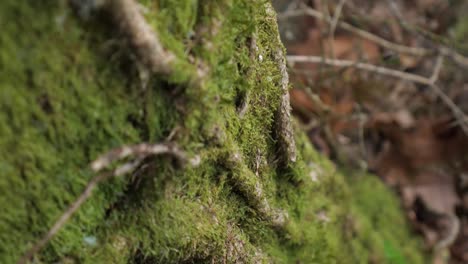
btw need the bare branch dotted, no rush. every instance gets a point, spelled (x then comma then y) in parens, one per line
(414, 51)
(143, 149)
(333, 23)
(336, 17)
(444, 50)
(437, 68)
(140, 151)
(458, 113)
(305, 10)
(362, 66)
(456, 57)
(395, 10)
(126, 168)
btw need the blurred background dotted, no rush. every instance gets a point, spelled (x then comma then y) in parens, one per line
(382, 86)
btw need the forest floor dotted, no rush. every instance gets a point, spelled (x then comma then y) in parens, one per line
(382, 86)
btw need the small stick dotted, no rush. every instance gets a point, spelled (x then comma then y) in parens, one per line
(444, 50)
(336, 17)
(362, 66)
(414, 51)
(140, 151)
(396, 74)
(143, 149)
(437, 68)
(333, 23)
(126, 168)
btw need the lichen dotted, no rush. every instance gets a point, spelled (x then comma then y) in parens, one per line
(70, 91)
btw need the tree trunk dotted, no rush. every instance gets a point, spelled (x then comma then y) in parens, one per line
(205, 78)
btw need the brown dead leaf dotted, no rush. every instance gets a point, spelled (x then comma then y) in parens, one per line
(423, 157)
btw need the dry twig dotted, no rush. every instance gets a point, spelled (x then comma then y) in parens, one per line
(362, 66)
(333, 23)
(305, 10)
(126, 168)
(414, 51)
(143, 149)
(336, 17)
(140, 152)
(431, 82)
(437, 68)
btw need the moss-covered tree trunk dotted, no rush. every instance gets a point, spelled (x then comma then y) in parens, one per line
(74, 85)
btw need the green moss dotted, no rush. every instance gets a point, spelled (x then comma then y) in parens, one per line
(380, 223)
(460, 34)
(69, 92)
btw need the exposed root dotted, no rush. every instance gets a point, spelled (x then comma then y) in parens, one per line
(237, 251)
(126, 168)
(127, 15)
(252, 55)
(250, 186)
(284, 127)
(283, 119)
(140, 152)
(143, 149)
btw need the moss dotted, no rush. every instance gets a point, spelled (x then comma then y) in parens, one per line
(380, 223)
(69, 91)
(460, 34)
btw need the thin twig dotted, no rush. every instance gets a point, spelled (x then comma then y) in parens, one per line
(143, 149)
(362, 66)
(336, 17)
(395, 10)
(437, 68)
(455, 56)
(305, 10)
(140, 152)
(459, 114)
(414, 51)
(334, 22)
(444, 50)
(126, 168)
